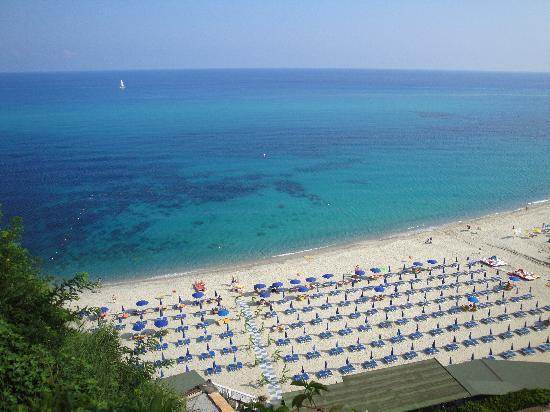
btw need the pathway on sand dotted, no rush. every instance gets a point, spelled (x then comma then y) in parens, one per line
(273, 386)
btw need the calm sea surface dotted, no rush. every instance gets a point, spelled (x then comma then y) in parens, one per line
(170, 174)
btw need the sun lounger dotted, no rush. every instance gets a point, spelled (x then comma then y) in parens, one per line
(313, 355)
(527, 351)
(371, 364)
(415, 335)
(204, 338)
(377, 343)
(346, 369)
(300, 377)
(365, 327)
(291, 358)
(522, 331)
(506, 335)
(539, 326)
(487, 338)
(304, 339)
(324, 373)
(397, 339)
(338, 350)
(357, 348)
(431, 351)
(508, 354)
(410, 355)
(545, 347)
(214, 370)
(450, 347)
(390, 359)
(228, 350)
(325, 334)
(519, 314)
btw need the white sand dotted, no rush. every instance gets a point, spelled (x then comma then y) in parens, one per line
(488, 236)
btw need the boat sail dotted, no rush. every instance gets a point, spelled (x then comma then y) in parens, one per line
(122, 86)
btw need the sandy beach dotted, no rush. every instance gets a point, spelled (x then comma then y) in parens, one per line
(504, 234)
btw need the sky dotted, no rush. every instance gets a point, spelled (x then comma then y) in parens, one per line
(74, 35)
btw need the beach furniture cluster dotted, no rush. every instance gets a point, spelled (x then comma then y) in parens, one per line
(322, 327)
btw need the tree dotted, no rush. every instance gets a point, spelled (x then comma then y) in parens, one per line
(47, 362)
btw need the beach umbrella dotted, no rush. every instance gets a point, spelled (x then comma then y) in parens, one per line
(328, 275)
(142, 303)
(223, 312)
(473, 299)
(311, 279)
(197, 295)
(360, 272)
(104, 309)
(295, 282)
(265, 294)
(161, 322)
(379, 288)
(277, 285)
(432, 261)
(417, 263)
(138, 326)
(259, 286)
(303, 289)
(375, 270)
(514, 278)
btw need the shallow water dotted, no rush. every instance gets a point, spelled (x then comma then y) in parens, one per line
(170, 175)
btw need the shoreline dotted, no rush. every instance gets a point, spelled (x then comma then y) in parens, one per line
(217, 269)
(505, 234)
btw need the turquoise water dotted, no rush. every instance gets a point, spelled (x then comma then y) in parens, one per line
(169, 174)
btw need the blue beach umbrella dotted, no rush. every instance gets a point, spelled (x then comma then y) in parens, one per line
(259, 286)
(432, 261)
(328, 275)
(265, 295)
(473, 299)
(379, 288)
(360, 272)
(161, 322)
(303, 289)
(277, 285)
(295, 282)
(138, 326)
(375, 270)
(223, 312)
(311, 279)
(197, 295)
(417, 263)
(142, 303)
(104, 309)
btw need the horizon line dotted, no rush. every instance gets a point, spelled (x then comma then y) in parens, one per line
(278, 68)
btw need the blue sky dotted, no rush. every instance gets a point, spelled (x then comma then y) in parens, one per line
(414, 34)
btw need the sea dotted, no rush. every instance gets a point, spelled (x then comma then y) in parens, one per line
(189, 169)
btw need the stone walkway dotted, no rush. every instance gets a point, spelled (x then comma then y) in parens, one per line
(273, 387)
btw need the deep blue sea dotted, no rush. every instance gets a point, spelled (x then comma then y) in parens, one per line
(170, 175)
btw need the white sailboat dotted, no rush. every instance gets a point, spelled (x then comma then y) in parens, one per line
(122, 86)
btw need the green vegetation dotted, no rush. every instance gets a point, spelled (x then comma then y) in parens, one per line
(510, 402)
(302, 401)
(513, 401)
(47, 361)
